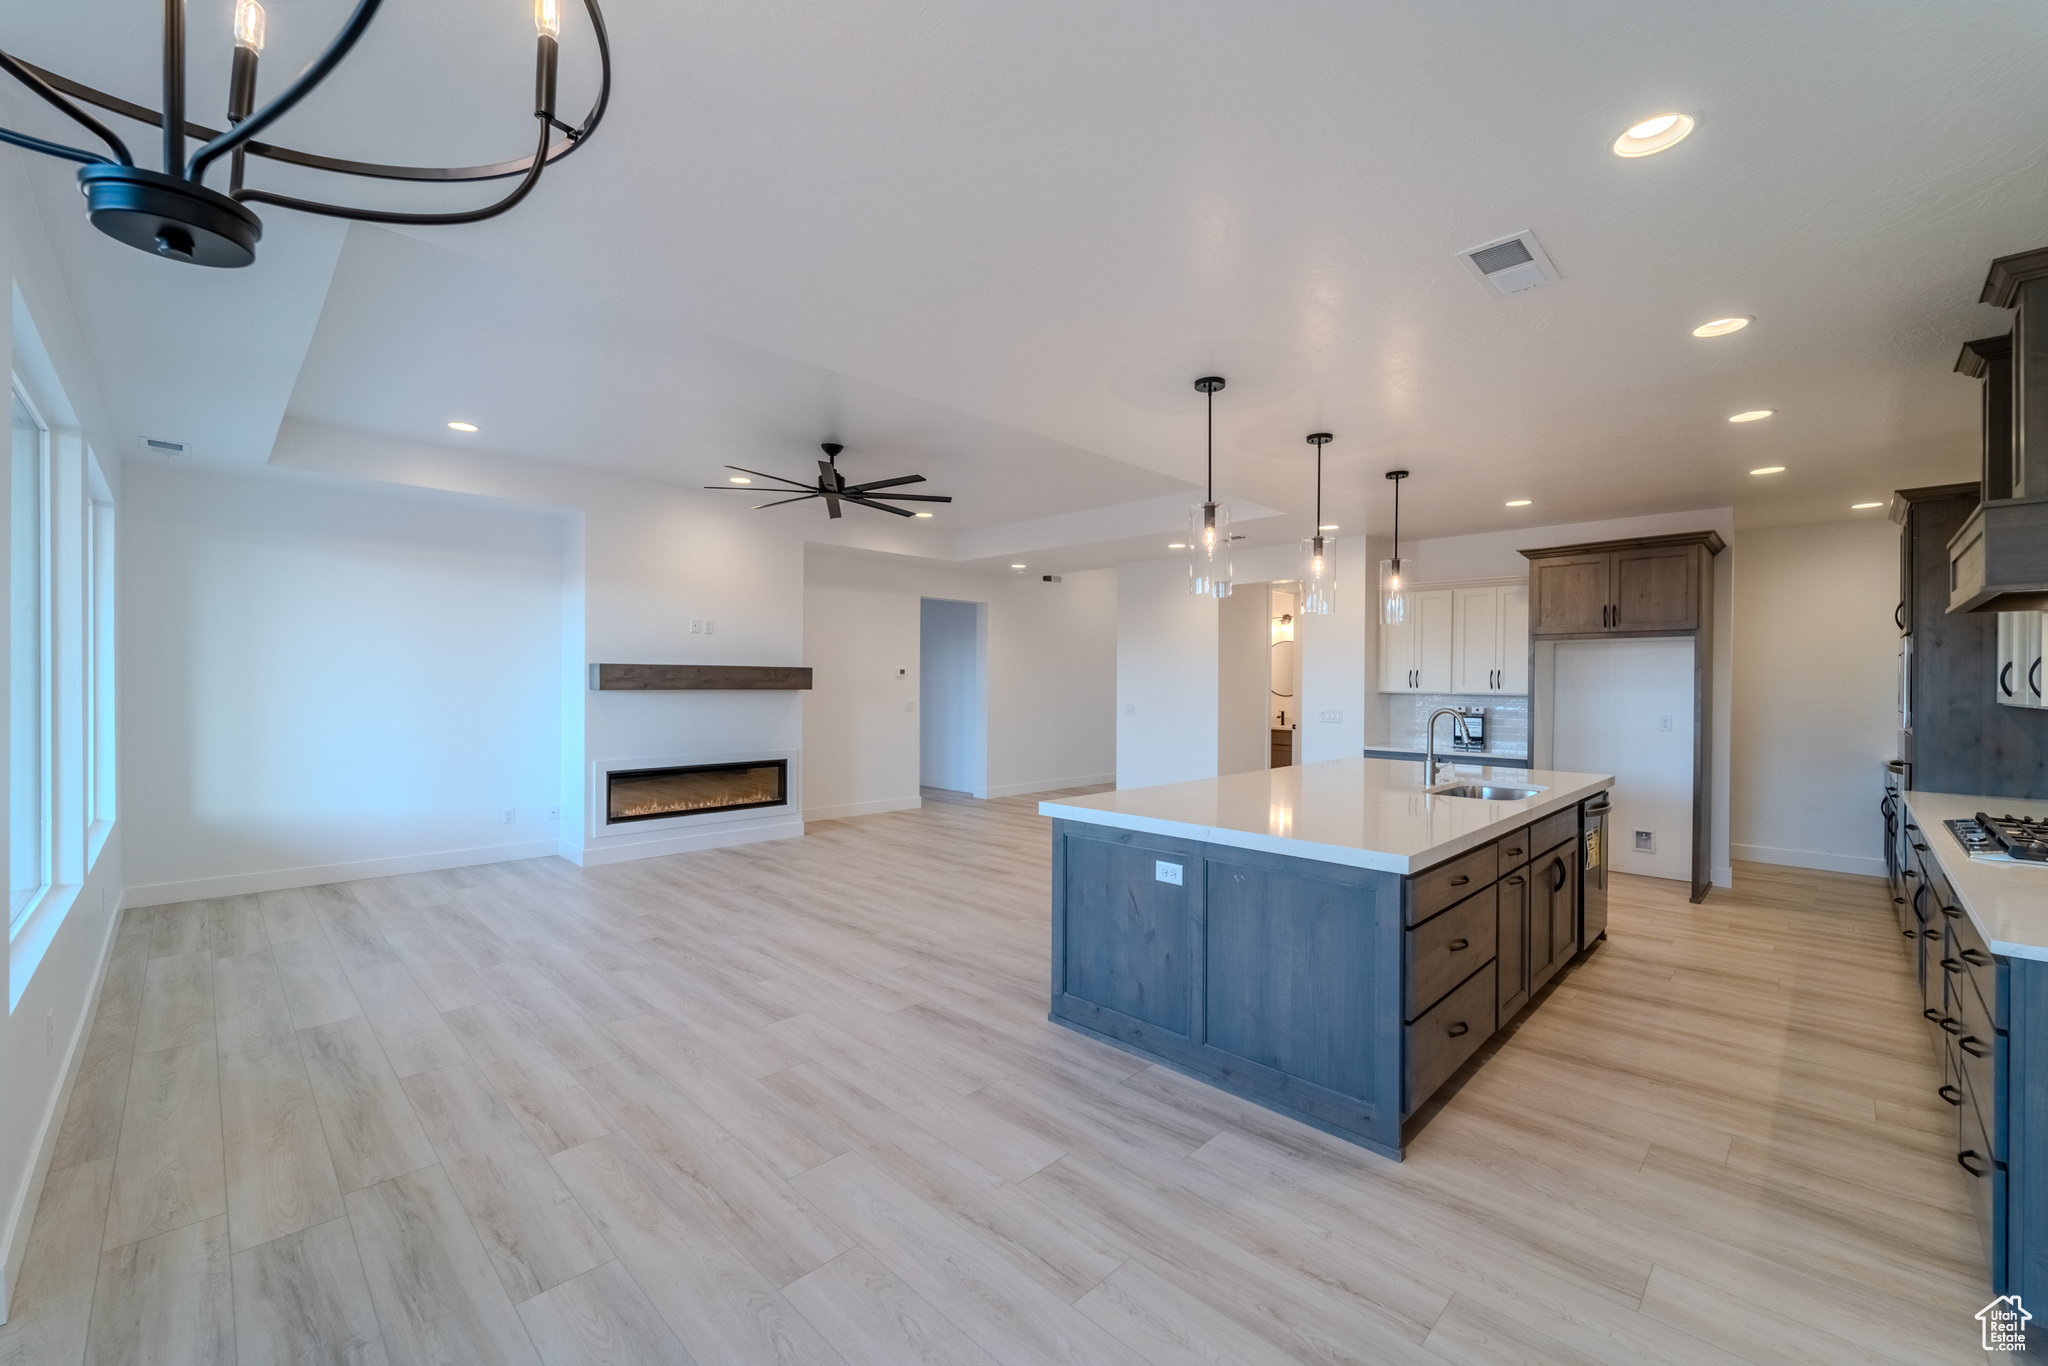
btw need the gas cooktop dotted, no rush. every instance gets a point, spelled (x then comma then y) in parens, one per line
(2003, 839)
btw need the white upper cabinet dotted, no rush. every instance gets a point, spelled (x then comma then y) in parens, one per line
(1459, 640)
(2019, 682)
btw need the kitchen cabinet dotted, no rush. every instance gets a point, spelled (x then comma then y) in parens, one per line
(1415, 655)
(1654, 585)
(1490, 640)
(2019, 659)
(1553, 904)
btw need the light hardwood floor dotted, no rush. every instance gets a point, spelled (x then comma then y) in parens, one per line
(799, 1102)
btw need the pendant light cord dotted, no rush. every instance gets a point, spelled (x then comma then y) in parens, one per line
(1211, 396)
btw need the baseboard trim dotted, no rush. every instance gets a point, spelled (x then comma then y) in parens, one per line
(840, 813)
(707, 837)
(1807, 858)
(22, 1216)
(1050, 785)
(282, 879)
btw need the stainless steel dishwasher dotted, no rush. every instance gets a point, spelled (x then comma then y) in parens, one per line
(1593, 881)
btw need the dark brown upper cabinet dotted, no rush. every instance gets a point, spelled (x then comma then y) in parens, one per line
(1998, 558)
(1650, 586)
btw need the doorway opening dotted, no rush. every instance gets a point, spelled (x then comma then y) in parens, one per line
(1258, 677)
(952, 692)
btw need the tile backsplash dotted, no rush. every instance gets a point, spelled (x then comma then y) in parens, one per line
(1507, 721)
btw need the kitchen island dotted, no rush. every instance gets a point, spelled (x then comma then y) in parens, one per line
(1330, 940)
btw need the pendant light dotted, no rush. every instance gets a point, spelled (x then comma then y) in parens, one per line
(1209, 522)
(1318, 561)
(1396, 577)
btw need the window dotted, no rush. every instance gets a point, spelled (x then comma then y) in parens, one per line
(28, 661)
(98, 643)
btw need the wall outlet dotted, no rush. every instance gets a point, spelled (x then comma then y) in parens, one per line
(1646, 841)
(696, 626)
(1162, 871)
(710, 627)
(554, 813)
(1330, 718)
(903, 673)
(511, 815)
(1130, 709)
(1663, 723)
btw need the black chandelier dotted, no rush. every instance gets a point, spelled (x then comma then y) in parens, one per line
(172, 212)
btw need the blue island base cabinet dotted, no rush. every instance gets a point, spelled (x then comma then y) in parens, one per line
(1283, 980)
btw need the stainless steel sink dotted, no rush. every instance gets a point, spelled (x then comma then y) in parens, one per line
(1488, 794)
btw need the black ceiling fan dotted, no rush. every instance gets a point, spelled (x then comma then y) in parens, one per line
(834, 489)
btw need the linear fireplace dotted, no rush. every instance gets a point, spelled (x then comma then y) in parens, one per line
(648, 794)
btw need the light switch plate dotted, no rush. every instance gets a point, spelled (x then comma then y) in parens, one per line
(1166, 872)
(696, 626)
(1331, 718)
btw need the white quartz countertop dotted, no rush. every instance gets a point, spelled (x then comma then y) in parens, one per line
(2008, 904)
(1368, 813)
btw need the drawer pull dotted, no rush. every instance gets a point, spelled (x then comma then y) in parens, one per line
(1931, 934)
(1982, 1050)
(1513, 852)
(1921, 847)
(1953, 965)
(1460, 880)
(1976, 958)
(1966, 1157)
(1952, 912)
(1459, 1028)
(1457, 944)
(1950, 1094)
(1514, 882)
(1909, 873)
(1950, 1025)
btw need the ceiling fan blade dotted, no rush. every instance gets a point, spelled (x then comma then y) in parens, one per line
(911, 497)
(780, 501)
(831, 483)
(879, 507)
(759, 474)
(885, 483)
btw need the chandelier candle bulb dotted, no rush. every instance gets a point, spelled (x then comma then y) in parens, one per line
(249, 26)
(547, 18)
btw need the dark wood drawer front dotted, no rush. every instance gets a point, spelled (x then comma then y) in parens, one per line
(1516, 849)
(1987, 1196)
(1439, 1042)
(1443, 952)
(1967, 947)
(1976, 1047)
(1554, 830)
(1449, 883)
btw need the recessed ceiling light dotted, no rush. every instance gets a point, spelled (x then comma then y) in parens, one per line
(1019, 566)
(1770, 469)
(462, 426)
(1858, 507)
(1518, 502)
(739, 479)
(1330, 527)
(1653, 135)
(920, 514)
(1753, 415)
(1176, 545)
(1721, 327)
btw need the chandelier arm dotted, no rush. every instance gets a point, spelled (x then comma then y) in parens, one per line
(53, 149)
(497, 170)
(537, 163)
(33, 79)
(358, 23)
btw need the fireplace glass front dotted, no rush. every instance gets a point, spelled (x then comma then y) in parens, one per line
(647, 794)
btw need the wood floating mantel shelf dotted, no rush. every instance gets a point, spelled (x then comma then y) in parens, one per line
(698, 678)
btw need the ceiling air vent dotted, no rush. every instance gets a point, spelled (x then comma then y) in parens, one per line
(156, 445)
(1510, 264)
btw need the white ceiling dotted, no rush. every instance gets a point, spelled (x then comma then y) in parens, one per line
(996, 243)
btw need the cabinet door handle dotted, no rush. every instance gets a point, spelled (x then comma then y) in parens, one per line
(1965, 1157)
(1950, 1025)
(2034, 678)
(1457, 944)
(1952, 912)
(1557, 867)
(1460, 880)
(1900, 616)
(1931, 934)
(2005, 679)
(1459, 1028)
(1953, 965)
(1932, 1014)
(1617, 614)
(1982, 1050)
(1950, 1094)
(1976, 958)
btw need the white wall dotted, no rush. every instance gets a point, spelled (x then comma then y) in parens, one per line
(330, 683)
(42, 1036)
(1051, 671)
(1816, 673)
(952, 696)
(1497, 554)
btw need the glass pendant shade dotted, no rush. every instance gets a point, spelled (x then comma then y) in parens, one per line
(1318, 576)
(1209, 550)
(1396, 577)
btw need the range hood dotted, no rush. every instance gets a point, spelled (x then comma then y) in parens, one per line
(1998, 560)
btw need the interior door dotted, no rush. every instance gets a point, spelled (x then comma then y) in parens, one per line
(1514, 640)
(1568, 594)
(1475, 646)
(1434, 610)
(1655, 589)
